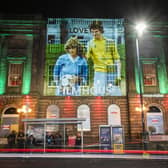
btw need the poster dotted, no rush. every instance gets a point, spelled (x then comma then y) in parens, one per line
(36, 130)
(117, 134)
(105, 137)
(80, 52)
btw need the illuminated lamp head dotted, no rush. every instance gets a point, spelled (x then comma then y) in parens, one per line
(140, 28)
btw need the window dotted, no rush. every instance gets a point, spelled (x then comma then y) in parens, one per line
(149, 75)
(15, 74)
(52, 113)
(51, 81)
(51, 39)
(114, 117)
(84, 112)
(11, 111)
(155, 122)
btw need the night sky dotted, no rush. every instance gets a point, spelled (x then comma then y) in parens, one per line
(153, 9)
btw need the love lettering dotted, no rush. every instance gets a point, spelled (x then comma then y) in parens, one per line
(78, 30)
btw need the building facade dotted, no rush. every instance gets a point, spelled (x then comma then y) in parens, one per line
(28, 50)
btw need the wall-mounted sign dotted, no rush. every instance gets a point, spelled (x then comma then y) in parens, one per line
(5, 127)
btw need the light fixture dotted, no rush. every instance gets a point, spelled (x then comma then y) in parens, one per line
(140, 28)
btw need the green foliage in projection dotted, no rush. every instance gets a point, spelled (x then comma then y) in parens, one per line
(54, 50)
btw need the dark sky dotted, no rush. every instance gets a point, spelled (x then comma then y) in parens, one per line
(153, 9)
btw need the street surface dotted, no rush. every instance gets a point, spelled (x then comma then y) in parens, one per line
(60, 160)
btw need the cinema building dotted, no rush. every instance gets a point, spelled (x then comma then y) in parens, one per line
(135, 97)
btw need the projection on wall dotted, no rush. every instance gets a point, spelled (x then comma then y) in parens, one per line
(85, 57)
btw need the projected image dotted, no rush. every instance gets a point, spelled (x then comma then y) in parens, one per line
(71, 69)
(85, 57)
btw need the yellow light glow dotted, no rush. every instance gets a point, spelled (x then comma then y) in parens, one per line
(139, 108)
(18, 110)
(24, 109)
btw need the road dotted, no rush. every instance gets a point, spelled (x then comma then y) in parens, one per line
(81, 161)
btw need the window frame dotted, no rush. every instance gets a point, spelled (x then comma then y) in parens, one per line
(151, 77)
(18, 73)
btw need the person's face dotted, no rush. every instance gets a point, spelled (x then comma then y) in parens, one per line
(72, 51)
(96, 33)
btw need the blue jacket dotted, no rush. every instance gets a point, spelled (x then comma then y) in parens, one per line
(66, 65)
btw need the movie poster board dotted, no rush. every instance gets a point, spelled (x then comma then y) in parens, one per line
(105, 139)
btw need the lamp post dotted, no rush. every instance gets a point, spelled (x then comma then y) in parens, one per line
(25, 109)
(140, 28)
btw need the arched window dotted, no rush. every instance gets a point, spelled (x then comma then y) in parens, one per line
(84, 112)
(11, 110)
(52, 112)
(114, 117)
(155, 123)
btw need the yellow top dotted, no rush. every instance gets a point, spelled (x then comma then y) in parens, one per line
(103, 53)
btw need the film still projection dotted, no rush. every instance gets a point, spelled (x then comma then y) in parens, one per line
(85, 57)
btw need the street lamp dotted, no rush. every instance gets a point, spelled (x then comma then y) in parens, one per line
(140, 28)
(25, 109)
